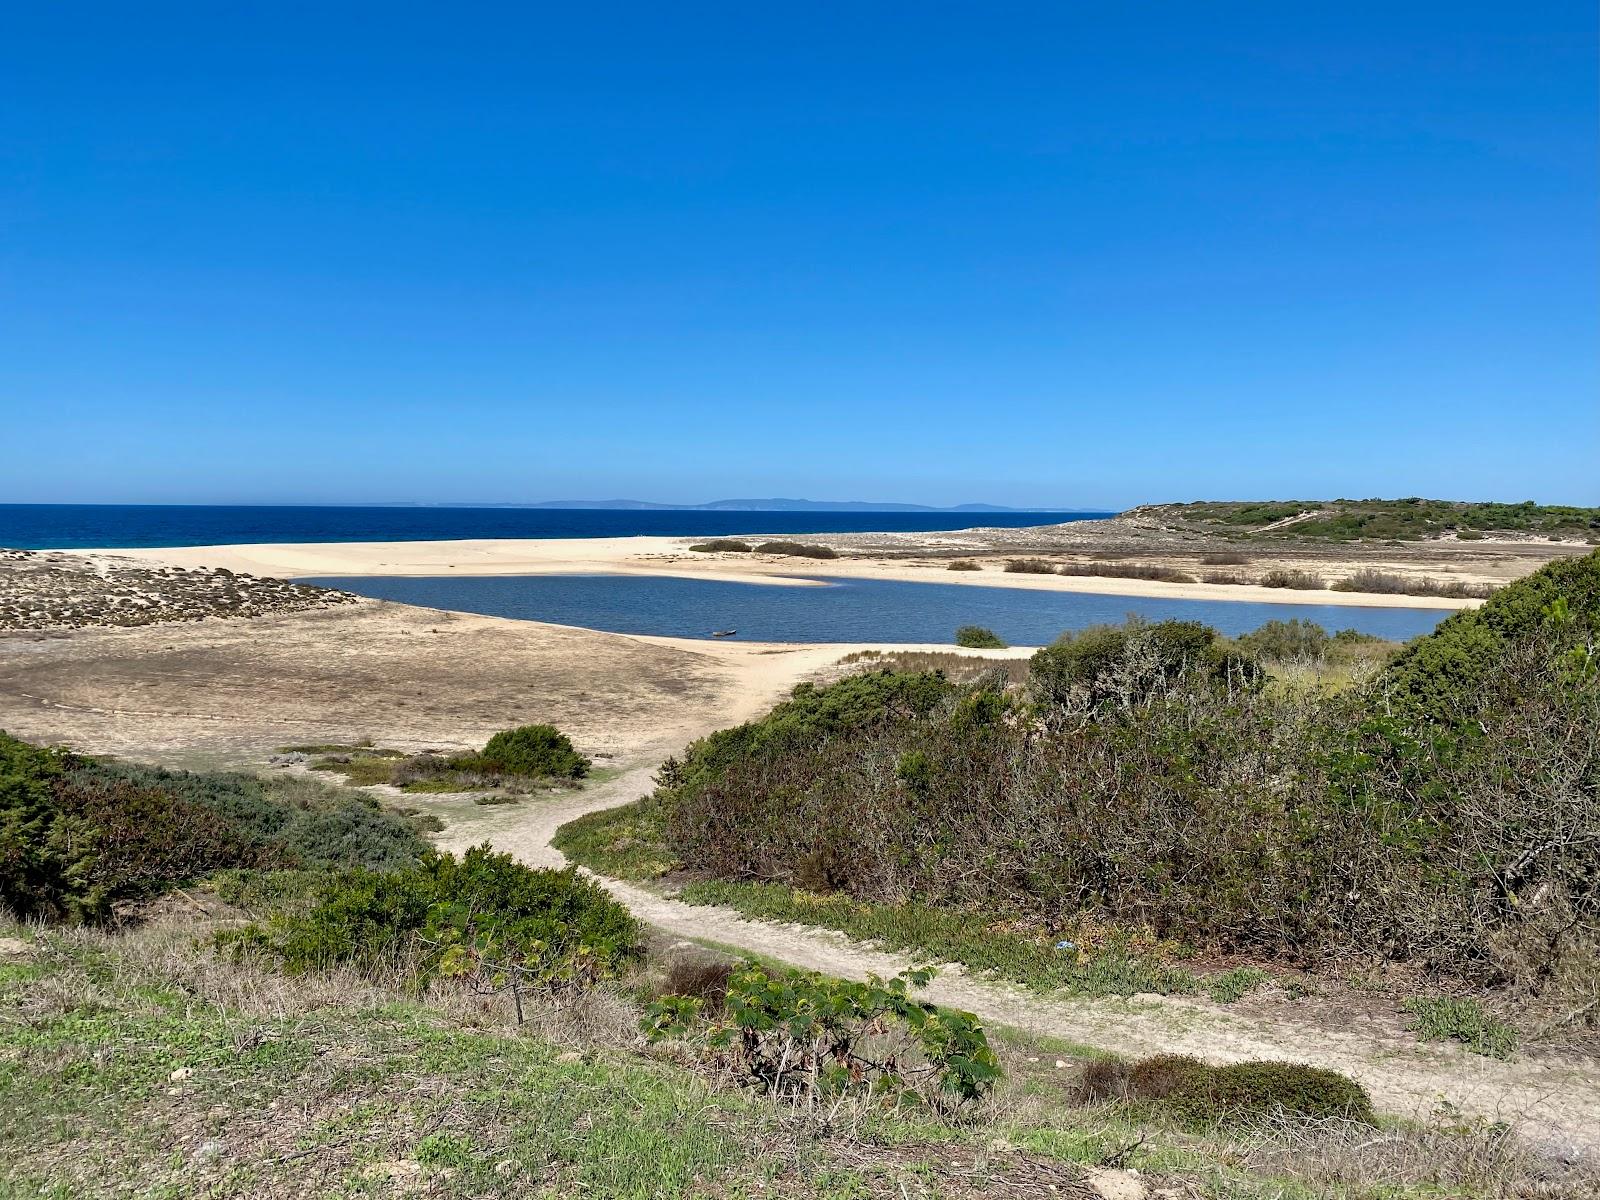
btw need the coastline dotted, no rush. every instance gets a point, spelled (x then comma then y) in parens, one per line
(670, 556)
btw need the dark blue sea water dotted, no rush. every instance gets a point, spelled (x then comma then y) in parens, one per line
(72, 526)
(848, 610)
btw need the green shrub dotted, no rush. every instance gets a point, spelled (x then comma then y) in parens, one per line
(797, 549)
(534, 750)
(1451, 673)
(444, 916)
(722, 546)
(1247, 1090)
(803, 1037)
(1286, 641)
(976, 637)
(1199, 1094)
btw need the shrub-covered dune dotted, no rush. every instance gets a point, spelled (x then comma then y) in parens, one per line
(1444, 813)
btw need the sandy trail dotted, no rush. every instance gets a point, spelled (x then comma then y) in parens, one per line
(1555, 1103)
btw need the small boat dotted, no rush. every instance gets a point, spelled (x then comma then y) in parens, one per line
(723, 632)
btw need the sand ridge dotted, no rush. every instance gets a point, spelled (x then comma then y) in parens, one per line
(670, 556)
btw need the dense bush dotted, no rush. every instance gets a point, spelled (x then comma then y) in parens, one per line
(77, 835)
(722, 546)
(484, 915)
(977, 637)
(797, 549)
(1446, 812)
(534, 750)
(964, 564)
(1197, 1093)
(1128, 664)
(1286, 641)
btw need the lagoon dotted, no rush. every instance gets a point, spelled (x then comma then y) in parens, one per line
(846, 610)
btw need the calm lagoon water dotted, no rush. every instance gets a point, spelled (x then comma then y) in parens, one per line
(71, 526)
(847, 610)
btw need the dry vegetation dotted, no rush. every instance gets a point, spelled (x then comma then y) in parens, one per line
(52, 590)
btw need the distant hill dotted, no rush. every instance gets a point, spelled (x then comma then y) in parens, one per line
(1408, 519)
(782, 504)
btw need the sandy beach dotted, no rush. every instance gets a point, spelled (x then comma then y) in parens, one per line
(672, 557)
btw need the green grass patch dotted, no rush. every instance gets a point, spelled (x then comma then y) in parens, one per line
(1461, 1019)
(1113, 966)
(628, 842)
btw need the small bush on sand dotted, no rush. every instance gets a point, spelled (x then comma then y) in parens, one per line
(964, 564)
(1281, 577)
(538, 750)
(1368, 579)
(977, 637)
(797, 550)
(1030, 566)
(1230, 578)
(722, 546)
(1110, 570)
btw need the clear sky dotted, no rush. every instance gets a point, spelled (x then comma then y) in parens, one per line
(1055, 253)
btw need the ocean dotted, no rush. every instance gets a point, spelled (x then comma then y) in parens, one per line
(79, 526)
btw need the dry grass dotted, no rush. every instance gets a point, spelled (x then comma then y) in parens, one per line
(958, 668)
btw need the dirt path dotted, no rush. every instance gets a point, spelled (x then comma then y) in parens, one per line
(1555, 1103)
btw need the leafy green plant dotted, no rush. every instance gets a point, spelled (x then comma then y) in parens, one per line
(803, 1037)
(977, 637)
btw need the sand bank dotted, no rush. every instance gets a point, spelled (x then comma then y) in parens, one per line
(672, 557)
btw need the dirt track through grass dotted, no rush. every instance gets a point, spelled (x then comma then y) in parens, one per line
(1555, 1102)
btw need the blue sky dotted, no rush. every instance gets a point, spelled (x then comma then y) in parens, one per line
(1023, 253)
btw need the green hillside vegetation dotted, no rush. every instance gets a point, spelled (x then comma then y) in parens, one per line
(1443, 812)
(1392, 520)
(79, 836)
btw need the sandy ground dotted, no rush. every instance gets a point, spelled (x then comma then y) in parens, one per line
(234, 691)
(671, 556)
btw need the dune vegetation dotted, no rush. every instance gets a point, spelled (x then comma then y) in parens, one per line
(1437, 810)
